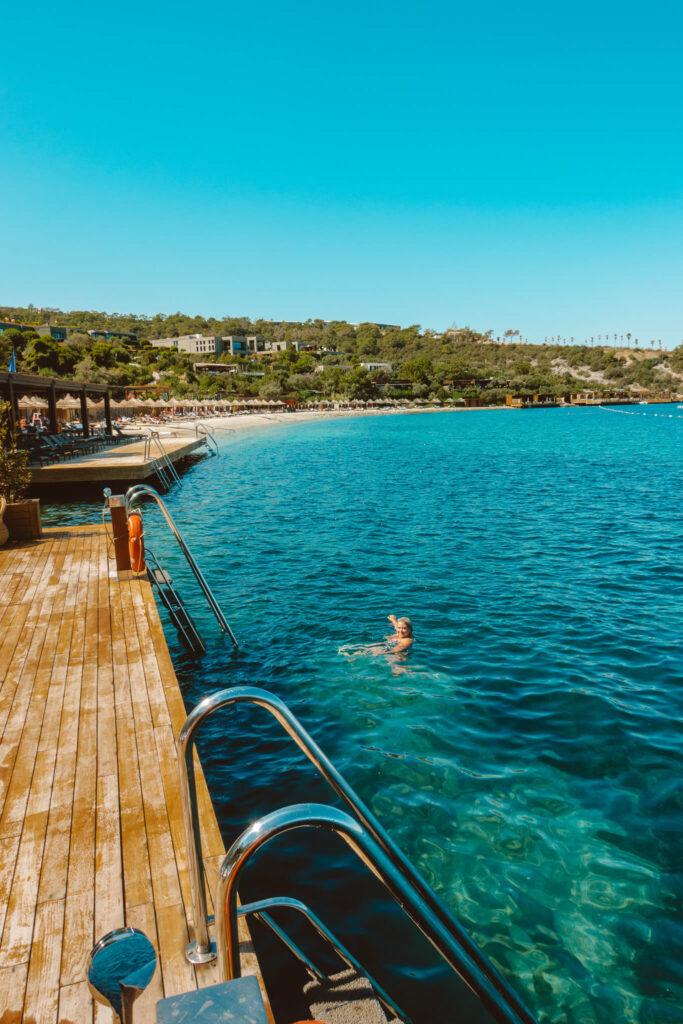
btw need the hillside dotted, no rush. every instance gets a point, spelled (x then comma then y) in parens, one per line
(423, 364)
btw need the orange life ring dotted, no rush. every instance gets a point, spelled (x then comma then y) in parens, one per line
(136, 545)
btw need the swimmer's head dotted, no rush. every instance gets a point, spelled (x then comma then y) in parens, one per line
(404, 624)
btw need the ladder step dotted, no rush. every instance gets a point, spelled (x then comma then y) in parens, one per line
(344, 998)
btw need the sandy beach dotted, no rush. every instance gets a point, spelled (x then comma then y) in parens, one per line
(241, 423)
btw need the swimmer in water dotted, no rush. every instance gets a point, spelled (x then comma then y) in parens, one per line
(402, 639)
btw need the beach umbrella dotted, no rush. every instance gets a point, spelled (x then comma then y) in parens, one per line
(32, 402)
(68, 402)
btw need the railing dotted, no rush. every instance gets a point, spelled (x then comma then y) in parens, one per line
(206, 435)
(452, 941)
(143, 489)
(384, 868)
(259, 910)
(168, 469)
(181, 618)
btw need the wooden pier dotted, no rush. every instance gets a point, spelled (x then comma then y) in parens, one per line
(121, 462)
(91, 830)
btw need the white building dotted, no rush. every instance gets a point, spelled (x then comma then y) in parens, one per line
(204, 344)
(385, 367)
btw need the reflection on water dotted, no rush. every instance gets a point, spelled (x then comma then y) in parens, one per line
(527, 754)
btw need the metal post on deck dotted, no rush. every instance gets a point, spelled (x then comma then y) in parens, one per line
(107, 411)
(52, 407)
(84, 412)
(13, 407)
(119, 529)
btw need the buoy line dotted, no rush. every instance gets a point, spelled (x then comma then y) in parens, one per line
(626, 412)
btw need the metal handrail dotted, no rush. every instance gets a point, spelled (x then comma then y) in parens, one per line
(384, 868)
(202, 431)
(202, 949)
(167, 462)
(259, 909)
(141, 489)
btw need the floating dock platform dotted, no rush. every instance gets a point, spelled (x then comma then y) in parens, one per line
(91, 829)
(121, 462)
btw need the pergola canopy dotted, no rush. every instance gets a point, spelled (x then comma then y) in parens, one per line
(13, 385)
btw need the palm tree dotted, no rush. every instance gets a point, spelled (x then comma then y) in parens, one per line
(628, 338)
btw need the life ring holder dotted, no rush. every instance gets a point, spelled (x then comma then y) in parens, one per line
(136, 544)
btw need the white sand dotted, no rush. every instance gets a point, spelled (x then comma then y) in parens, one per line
(222, 426)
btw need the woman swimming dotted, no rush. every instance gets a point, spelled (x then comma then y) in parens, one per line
(402, 639)
(396, 643)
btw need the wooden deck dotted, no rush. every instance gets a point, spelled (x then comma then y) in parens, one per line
(121, 462)
(91, 831)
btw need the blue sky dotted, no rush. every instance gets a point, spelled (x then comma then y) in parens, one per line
(503, 167)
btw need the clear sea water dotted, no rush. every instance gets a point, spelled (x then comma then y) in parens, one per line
(527, 755)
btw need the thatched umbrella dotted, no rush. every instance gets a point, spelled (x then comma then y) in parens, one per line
(32, 402)
(68, 402)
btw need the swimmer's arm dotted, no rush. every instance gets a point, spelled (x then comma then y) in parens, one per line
(403, 644)
(393, 620)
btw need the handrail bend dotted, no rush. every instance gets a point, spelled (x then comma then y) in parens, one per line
(330, 819)
(143, 489)
(201, 950)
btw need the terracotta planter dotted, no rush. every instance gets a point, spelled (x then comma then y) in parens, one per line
(22, 519)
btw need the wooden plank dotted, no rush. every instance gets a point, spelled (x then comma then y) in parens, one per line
(16, 772)
(79, 937)
(42, 988)
(75, 1004)
(155, 691)
(136, 869)
(143, 917)
(178, 976)
(108, 869)
(8, 859)
(12, 988)
(17, 931)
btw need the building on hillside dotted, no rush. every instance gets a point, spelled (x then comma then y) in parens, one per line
(195, 344)
(6, 325)
(127, 337)
(538, 401)
(58, 333)
(253, 345)
(384, 367)
(216, 368)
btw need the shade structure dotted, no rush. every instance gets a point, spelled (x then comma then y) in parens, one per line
(32, 402)
(68, 402)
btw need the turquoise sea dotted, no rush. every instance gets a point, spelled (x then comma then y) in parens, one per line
(527, 754)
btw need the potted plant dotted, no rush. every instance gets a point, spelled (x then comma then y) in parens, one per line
(21, 515)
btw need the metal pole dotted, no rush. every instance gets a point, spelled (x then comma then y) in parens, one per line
(107, 411)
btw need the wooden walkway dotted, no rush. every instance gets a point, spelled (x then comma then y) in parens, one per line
(122, 462)
(91, 831)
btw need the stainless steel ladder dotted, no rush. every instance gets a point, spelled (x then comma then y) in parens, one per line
(143, 490)
(359, 828)
(180, 617)
(163, 464)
